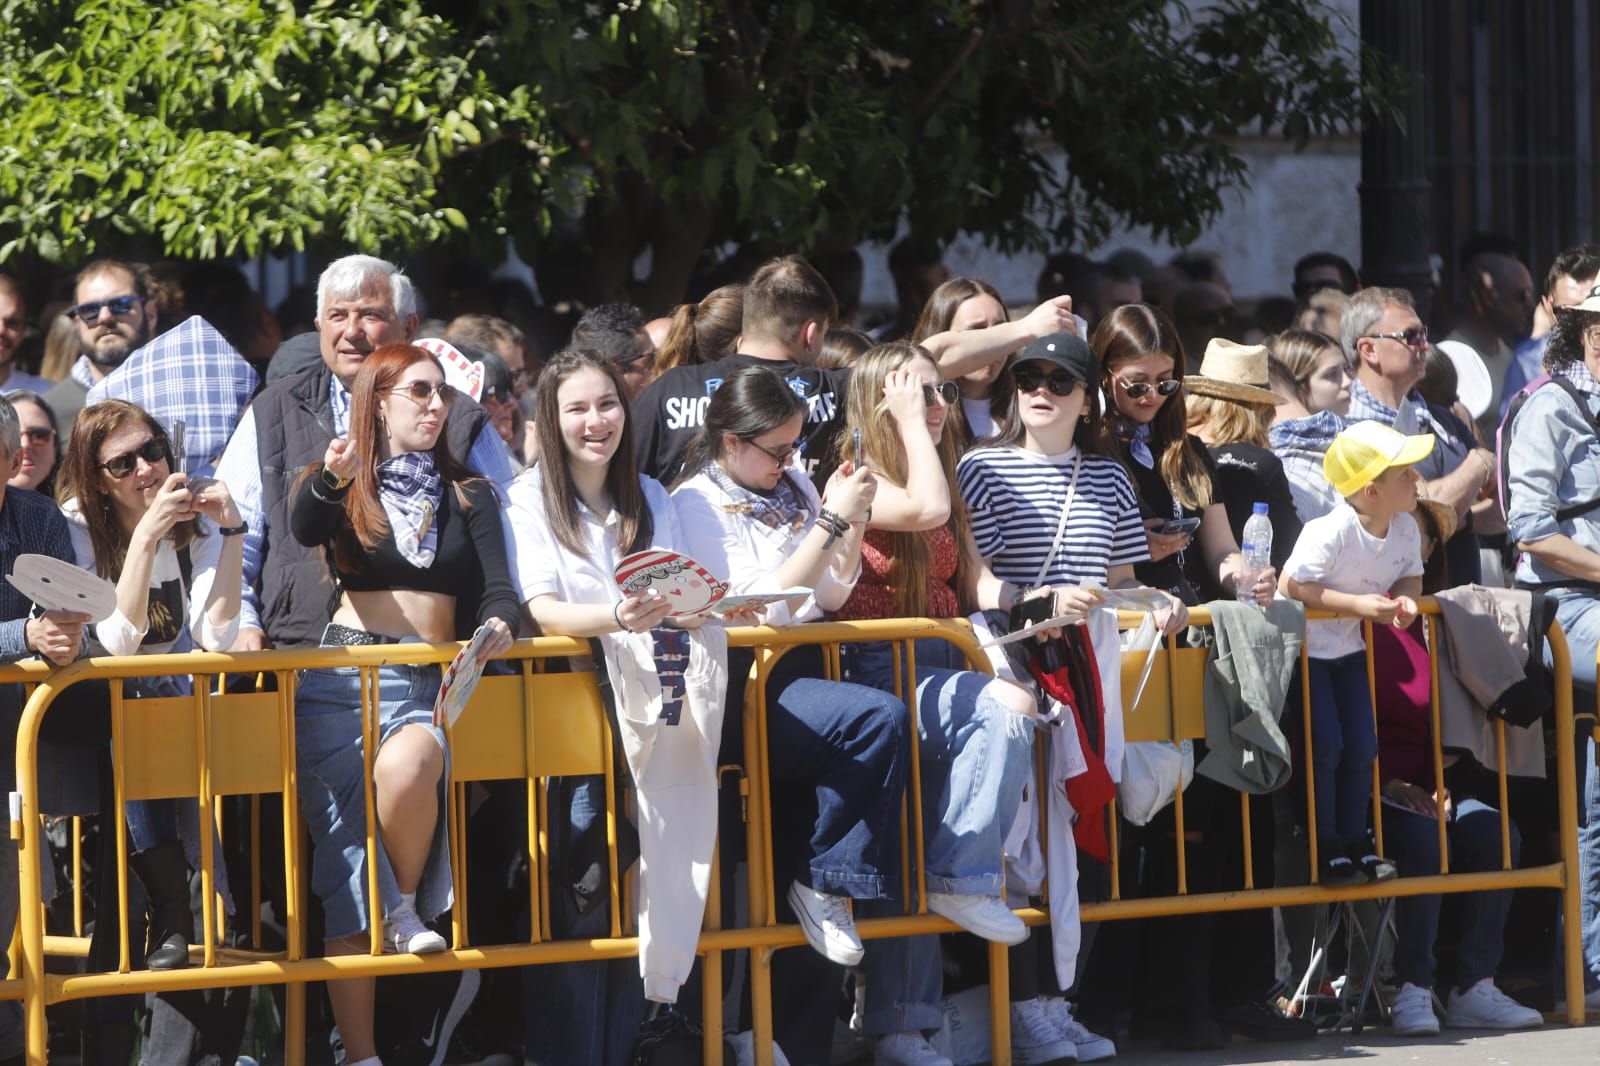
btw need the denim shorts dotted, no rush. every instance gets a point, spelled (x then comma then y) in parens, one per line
(332, 777)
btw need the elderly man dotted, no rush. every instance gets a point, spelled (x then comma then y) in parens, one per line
(1386, 349)
(362, 303)
(115, 316)
(29, 524)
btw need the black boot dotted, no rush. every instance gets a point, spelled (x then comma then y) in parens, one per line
(165, 874)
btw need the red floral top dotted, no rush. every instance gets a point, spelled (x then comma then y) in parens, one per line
(874, 596)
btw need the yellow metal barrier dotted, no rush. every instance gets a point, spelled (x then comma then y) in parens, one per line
(536, 725)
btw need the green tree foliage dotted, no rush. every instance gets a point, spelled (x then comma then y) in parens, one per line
(667, 126)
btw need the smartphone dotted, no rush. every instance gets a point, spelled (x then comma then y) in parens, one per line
(855, 443)
(1181, 525)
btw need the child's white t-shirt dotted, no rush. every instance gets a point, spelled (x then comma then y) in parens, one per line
(1336, 552)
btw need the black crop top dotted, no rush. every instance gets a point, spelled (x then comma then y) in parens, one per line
(469, 562)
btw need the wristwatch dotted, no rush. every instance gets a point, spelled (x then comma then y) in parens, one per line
(334, 481)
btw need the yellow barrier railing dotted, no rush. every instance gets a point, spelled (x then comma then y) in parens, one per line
(536, 725)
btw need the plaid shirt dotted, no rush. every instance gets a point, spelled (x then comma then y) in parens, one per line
(1450, 448)
(30, 524)
(189, 373)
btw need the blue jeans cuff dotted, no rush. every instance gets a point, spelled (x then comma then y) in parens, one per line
(902, 1018)
(844, 883)
(970, 885)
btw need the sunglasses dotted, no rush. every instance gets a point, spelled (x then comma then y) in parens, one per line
(40, 435)
(89, 313)
(781, 457)
(945, 392)
(1136, 389)
(151, 451)
(1029, 378)
(1415, 337)
(422, 391)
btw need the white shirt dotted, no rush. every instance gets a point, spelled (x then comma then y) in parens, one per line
(746, 553)
(1336, 552)
(541, 564)
(979, 416)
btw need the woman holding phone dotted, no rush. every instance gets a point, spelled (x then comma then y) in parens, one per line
(408, 531)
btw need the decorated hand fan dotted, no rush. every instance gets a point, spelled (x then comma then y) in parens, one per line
(57, 585)
(688, 586)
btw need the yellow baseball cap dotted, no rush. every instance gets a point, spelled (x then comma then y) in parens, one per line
(1366, 449)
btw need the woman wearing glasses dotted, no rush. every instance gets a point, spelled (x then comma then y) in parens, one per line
(838, 750)
(36, 459)
(408, 532)
(975, 732)
(132, 520)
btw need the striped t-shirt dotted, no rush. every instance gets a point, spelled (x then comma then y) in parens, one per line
(1014, 500)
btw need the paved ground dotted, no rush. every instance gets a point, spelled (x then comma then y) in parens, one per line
(1554, 1045)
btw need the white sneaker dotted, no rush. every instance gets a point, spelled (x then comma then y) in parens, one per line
(986, 916)
(1092, 1047)
(744, 1050)
(404, 931)
(827, 923)
(1484, 1006)
(906, 1049)
(1412, 1014)
(1034, 1041)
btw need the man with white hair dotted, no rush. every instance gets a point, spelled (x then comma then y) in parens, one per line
(362, 303)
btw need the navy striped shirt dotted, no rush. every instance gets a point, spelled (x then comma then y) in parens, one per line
(1014, 499)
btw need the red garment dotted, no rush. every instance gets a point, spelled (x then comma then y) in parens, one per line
(1404, 684)
(874, 596)
(1076, 686)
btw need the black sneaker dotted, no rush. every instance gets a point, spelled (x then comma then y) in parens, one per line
(1377, 868)
(1338, 871)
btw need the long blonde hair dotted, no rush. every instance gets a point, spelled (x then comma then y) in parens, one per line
(883, 451)
(1229, 421)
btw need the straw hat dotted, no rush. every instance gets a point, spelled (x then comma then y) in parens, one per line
(1236, 372)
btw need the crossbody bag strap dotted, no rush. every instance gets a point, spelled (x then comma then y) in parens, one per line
(1061, 526)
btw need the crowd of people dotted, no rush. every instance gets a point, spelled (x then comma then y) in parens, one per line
(382, 478)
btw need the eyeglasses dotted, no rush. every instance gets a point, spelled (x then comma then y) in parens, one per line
(422, 391)
(151, 451)
(1136, 389)
(89, 313)
(40, 434)
(945, 392)
(1415, 337)
(780, 457)
(1029, 378)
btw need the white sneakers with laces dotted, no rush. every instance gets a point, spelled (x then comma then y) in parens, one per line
(906, 1049)
(827, 923)
(985, 916)
(1484, 1006)
(404, 931)
(1411, 1013)
(1092, 1047)
(1034, 1040)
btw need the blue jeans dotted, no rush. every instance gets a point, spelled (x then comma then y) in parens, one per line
(1578, 611)
(1344, 743)
(1412, 841)
(975, 761)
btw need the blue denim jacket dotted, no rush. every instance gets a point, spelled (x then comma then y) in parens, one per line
(1553, 461)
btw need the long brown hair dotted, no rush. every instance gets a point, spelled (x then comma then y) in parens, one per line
(1131, 332)
(885, 453)
(78, 481)
(937, 315)
(635, 524)
(702, 332)
(366, 524)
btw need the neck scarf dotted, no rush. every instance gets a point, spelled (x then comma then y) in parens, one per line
(411, 491)
(1577, 372)
(1137, 437)
(782, 509)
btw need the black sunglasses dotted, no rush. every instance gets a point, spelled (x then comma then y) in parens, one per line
(945, 391)
(779, 456)
(1136, 389)
(40, 434)
(1029, 378)
(151, 451)
(422, 391)
(1415, 337)
(89, 313)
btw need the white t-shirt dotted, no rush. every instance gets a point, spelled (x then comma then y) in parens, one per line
(1336, 552)
(979, 416)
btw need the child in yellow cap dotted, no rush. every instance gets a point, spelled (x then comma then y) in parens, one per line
(1363, 559)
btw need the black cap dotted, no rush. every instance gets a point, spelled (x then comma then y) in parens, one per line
(1068, 351)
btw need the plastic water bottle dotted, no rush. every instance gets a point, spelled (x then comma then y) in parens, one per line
(1255, 553)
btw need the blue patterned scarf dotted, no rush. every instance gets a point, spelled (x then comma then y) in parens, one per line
(411, 491)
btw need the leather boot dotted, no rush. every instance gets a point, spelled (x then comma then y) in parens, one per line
(165, 874)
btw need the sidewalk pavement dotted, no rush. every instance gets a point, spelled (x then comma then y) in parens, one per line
(1554, 1045)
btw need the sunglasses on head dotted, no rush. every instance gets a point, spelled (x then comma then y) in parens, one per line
(1415, 337)
(422, 391)
(945, 392)
(151, 451)
(89, 313)
(1136, 389)
(1029, 378)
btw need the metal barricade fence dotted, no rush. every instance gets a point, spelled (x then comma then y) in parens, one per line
(537, 724)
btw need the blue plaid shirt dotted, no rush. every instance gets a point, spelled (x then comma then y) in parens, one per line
(30, 524)
(190, 373)
(1450, 448)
